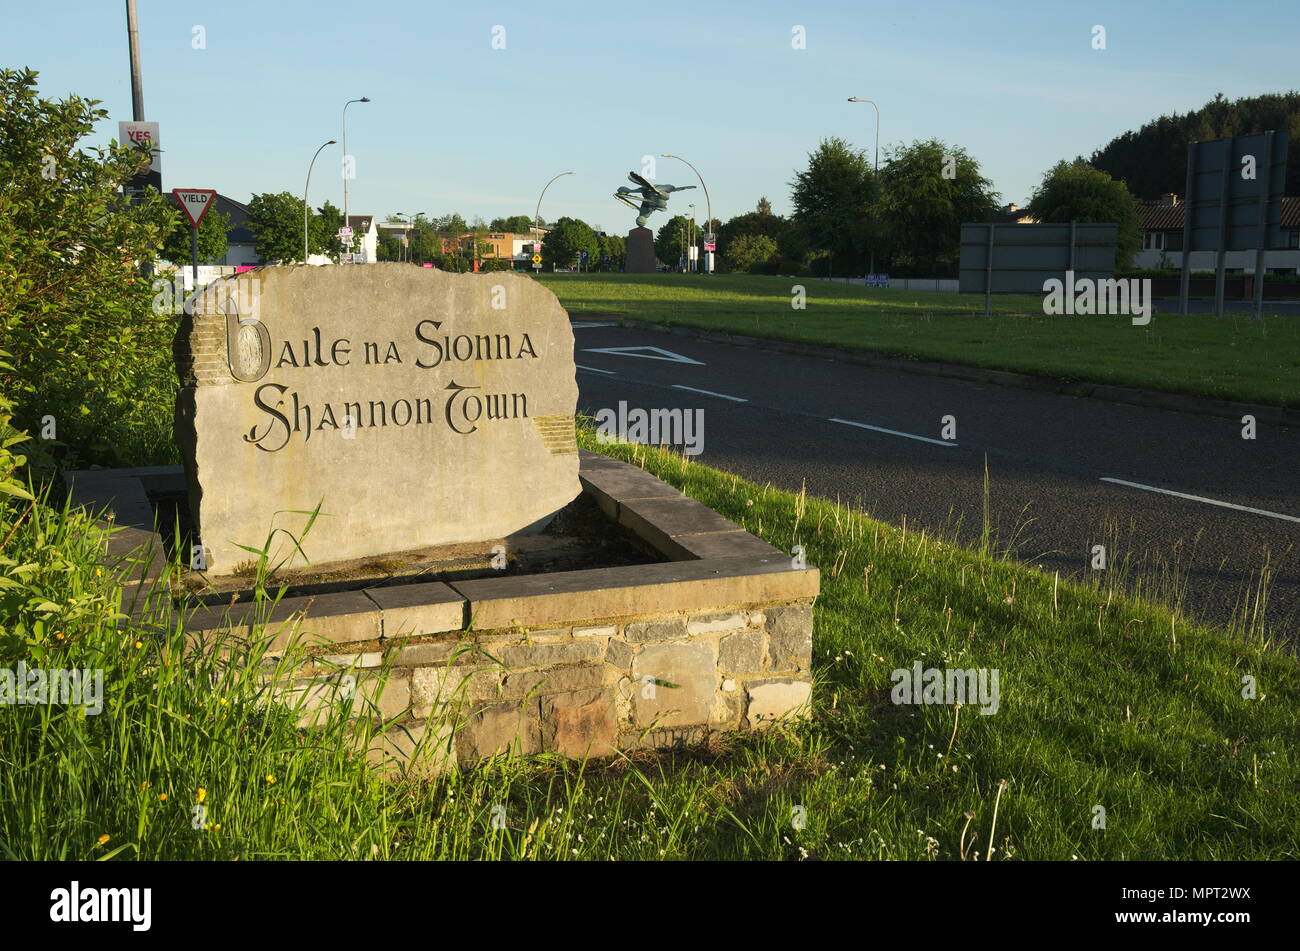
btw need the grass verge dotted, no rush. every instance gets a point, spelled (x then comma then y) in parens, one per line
(1234, 358)
(1104, 701)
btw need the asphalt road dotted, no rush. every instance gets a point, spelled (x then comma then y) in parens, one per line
(1065, 473)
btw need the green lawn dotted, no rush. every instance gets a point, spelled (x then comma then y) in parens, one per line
(1236, 357)
(1104, 701)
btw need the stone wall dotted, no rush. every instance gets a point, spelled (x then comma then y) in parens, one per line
(653, 680)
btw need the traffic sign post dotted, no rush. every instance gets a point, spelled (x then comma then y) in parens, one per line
(537, 262)
(195, 203)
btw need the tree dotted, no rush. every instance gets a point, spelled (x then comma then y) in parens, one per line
(1075, 191)
(515, 224)
(749, 252)
(82, 342)
(324, 232)
(673, 239)
(1153, 160)
(388, 248)
(761, 221)
(832, 200)
(452, 223)
(927, 189)
(614, 248)
(213, 239)
(565, 242)
(275, 218)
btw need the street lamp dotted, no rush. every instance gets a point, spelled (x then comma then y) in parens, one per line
(537, 213)
(410, 219)
(875, 187)
(345, 154)
(304, 199)
(708, 255)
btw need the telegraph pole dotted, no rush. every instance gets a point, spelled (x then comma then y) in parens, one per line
(137, 84)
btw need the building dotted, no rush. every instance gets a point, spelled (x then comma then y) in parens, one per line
(1012, 214)
(518, 249)
(365, 238)
(1162, 241)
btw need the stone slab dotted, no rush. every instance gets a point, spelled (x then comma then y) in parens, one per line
(413, 610)
(625, 590)
(460, 389)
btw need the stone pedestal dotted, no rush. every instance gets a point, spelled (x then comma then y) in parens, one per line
(640, 252)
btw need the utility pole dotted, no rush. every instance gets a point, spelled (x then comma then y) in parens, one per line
(137, 85)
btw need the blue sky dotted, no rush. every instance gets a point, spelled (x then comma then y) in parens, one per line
(456, 125)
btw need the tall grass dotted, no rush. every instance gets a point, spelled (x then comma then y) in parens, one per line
(1106, 700)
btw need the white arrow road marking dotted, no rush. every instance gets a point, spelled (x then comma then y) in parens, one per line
(1200, 498)
(893, 432)
(658, 354)
(723, 396)
(594, 369)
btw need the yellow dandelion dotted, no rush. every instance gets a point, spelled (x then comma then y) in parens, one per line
(145, 784)
(224, 702)
(217, 827)
(59, 636)
(270, 779)
(103, 838)
(202, 794)
(162, 797)
(139, 644)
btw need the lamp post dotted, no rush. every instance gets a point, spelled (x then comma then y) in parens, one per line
(304, 199)
(537, 213)
(410, 219)
(345, 154)
(708, 255)
(875, 165)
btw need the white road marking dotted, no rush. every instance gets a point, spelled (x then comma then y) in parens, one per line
(659, 353)
(594, 369)
(592, 323)
(1201, 498)
(892, 432)
(723, 396)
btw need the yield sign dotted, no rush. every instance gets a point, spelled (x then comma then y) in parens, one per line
(655, 353)
(195, 202)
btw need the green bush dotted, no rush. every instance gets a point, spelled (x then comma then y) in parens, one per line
(91, 362)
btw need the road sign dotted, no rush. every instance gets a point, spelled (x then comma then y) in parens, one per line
(195, 202)
(537, 259)
(710, 242)
(1233, 203)
(345, 232)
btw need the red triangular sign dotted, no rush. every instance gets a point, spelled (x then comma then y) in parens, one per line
(195, 202)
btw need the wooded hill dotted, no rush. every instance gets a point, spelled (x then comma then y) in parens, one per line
(1153, 160)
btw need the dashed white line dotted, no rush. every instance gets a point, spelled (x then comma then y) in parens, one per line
(595, 369)
(721, 396)
(1201, 498)
(892, 432)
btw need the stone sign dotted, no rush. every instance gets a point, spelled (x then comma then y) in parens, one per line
(415, 407)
